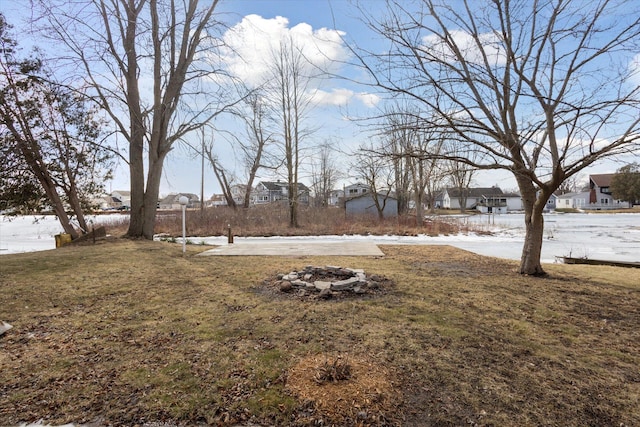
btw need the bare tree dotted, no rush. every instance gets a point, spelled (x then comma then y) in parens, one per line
(397, 140)
(222, 175)
(542, 89)
(571, 184)
(324, 174)
(255, 154)
(141, 58)
(414, 150)
(377, 173)
(425, 170)
(290, 85)
(460, 173)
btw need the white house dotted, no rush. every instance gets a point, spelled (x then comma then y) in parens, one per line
(500, 203)
(171, 202)
(491, 199)
(335, 196)
(216, 200)
(123, 196)
(573, 200)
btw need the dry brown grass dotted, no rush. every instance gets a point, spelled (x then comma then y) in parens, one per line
(273, 220)
(128, 332)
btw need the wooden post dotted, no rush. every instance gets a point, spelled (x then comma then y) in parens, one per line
(229, 234)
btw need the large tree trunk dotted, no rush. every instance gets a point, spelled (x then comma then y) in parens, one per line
(76, 207)
(293, 203)
(530, 260)
(35, 162)
(534, 229)
(56, 203)
(136, 174)
(151, 196)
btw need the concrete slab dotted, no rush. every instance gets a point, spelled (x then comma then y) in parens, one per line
(292, 248)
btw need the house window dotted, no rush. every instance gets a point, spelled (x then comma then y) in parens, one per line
(264, 198)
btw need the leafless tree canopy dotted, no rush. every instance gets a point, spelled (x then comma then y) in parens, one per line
(540, 88)
(145, 62)
(290, 85)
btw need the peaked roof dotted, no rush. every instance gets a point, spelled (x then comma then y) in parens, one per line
(476, 192)
(173, 198)
(602, 180)
(277, 185)
(572, 195)
(370, 196)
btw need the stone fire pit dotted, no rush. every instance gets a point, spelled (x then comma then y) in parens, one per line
(329, 282)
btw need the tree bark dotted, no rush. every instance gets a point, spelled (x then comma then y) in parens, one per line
(534, 203)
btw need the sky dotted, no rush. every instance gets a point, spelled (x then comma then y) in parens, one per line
(320, 26)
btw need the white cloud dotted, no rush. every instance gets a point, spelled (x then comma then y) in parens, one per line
(335, 97)
(342, 96)
(468, 46)
(251, 42)
(368, 99)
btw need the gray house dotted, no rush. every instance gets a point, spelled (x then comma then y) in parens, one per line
(355, 190)
(274, 191)
(364, 204)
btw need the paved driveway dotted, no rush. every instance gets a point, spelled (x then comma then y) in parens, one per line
(293, 248)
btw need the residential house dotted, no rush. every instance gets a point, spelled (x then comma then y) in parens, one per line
(124, 197)
(172, 201)
(355, 190)
(216, 200)
(438, 200)
(270, 192)
(600, 196)
(107, 203)
(335, 196)
(364, 204)
(573, 200)
(489, 199)
(551, 203)
(500, 203)
(238, 192)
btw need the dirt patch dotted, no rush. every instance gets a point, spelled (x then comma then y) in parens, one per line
(368, 397)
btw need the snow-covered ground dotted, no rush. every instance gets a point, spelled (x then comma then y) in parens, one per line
(595, 236)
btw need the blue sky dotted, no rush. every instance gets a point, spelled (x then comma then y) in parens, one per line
(341, 98)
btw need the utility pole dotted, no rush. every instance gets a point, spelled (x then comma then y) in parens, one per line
(202, 176)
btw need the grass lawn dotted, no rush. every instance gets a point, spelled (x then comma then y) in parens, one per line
(132, 332)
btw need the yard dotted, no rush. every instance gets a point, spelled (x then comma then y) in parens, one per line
(132, 332)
